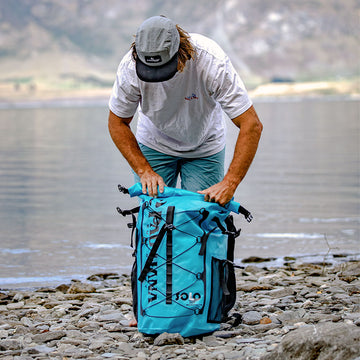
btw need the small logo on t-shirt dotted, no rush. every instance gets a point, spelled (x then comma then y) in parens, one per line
(191, 97)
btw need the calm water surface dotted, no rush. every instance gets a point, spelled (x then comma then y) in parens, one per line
(59, 172)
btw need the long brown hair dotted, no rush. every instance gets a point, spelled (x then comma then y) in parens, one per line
(186, 49)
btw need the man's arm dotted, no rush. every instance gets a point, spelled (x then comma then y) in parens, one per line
(125, 141)
(245, 149)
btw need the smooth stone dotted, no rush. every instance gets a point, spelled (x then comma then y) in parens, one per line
(279, 293)
(15, 306)
(112, 316)
(10, 344)
(251, 318)
(331, 340)
(49, 336)
(168, 339)
(81, 288)
(40, 349)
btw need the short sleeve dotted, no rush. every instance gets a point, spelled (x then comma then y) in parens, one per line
(229, 90)
(125, 95)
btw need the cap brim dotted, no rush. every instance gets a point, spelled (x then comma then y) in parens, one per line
(157, 73)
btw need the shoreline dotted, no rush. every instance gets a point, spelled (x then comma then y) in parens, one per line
(74, 102)
(280, 313)
(52, 97)
(323, 260)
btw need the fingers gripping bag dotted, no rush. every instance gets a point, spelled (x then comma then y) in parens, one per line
(183, 278)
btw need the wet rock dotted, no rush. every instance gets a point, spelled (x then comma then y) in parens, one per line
(103, 276)
(289, 258)
(62, 288)
(256, 259)
(82, 288)
(253, 269)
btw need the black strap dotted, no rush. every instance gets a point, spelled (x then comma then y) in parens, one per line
(123, 189)
(205, 236)
(246, 213)
(232, 232)
(131, 225)
(220, 225)
(152, 254)
(154, 249)
(169, 248)
(229, 221)
(135, 210)
(204, 240)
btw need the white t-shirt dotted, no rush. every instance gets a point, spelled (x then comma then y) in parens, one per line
(183, 116)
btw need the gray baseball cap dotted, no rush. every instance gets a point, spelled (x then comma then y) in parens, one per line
(157, 43)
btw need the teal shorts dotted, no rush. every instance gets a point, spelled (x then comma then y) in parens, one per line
(194, 173)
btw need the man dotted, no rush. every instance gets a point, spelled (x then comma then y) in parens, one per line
(181, 84)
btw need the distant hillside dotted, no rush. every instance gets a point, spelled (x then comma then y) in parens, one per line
(83, 40)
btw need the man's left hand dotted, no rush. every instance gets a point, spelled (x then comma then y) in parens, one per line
(220, 193)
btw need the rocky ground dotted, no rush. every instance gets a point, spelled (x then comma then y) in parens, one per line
(297, 311)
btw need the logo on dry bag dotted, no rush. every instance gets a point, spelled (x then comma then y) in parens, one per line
(190, 298)
(152, 281)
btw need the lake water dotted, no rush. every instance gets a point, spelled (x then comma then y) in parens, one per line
(59, 172)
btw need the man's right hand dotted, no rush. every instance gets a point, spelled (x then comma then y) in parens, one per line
(125, 141)
(150, 182)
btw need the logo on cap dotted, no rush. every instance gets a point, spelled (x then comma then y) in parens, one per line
(155, 59)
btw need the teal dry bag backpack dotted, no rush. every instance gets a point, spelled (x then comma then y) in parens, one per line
(183, 278)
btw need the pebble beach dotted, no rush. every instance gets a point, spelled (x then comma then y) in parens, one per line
(294, 311)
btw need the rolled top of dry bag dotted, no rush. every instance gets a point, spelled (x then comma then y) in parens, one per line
(136, 190)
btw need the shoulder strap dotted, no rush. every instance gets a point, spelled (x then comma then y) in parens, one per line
(167, 227)
(169, 254)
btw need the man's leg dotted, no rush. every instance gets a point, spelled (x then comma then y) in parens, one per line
(201, 173)
(165, 165)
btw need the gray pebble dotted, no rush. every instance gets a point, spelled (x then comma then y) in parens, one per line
(274, 310)
(251, 318)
